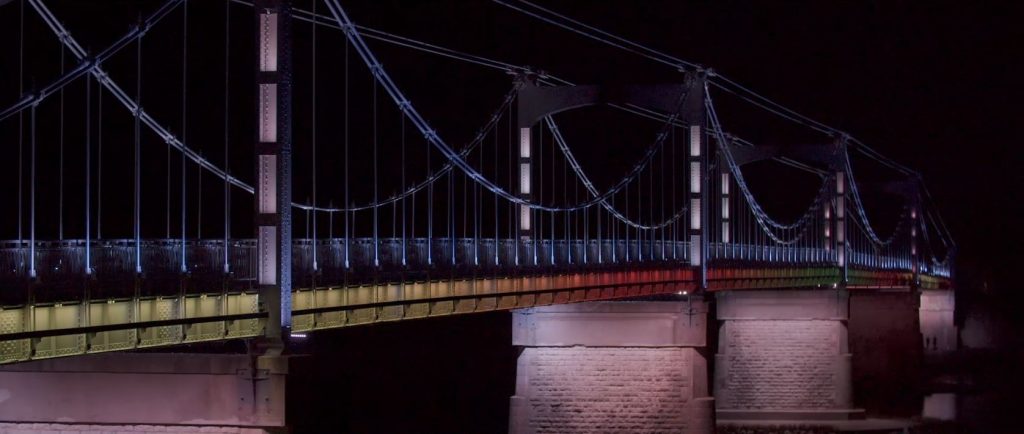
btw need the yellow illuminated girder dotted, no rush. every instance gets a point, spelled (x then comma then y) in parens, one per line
(124, 324)
(54, 330)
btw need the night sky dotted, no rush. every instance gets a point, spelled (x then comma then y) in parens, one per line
(930, 85)
(933, 85)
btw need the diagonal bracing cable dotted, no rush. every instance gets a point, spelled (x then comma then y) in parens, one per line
(718, 80)
(86, 64)
(545, 78)
(585, 180)
(97, 71)
(767, 224)
(174, 142)
(432, 137)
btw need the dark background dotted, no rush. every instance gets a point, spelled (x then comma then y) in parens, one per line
(934, 85)
(931, 85)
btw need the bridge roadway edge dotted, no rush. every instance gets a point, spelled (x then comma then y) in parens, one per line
(143, 392)
(80, 327)
(185, 367)
(75, 327)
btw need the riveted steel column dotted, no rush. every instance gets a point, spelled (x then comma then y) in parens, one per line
(725, 178)
(699, 178)
(842, 251)
(697, 169)
(525, 191)
(698, 213)
(273, 163)
(828, 227)
(525, 174)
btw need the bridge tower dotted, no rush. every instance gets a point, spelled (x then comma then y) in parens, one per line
(697, 164)
(525, 213)
(842, 244)
(273, 164)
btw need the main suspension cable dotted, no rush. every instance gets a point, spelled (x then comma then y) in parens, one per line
(718, 80)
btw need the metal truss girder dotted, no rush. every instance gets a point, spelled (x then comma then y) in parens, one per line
(64, 329)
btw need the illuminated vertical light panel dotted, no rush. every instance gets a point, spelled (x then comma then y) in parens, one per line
(695, 143)
(524, 143)
(725, 207)
(273, 163)
(267, 246)
(913, 241)
(695, 250)
(524, 178)
(524, 220)
(695, 176)
(268, 112)
(695, 214)
(525, 174)
(828, 227)
(267, 175)
(841, 221)
(695, 167)
(268, 41)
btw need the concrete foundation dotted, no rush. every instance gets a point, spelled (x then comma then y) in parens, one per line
(124, 391)
(783, 355)
(885, 341)
(937, 321)
(63, 428)
(611, 367)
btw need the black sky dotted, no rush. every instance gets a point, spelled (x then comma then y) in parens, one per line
(934, 85)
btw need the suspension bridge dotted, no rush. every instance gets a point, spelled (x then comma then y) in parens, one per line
(251, 170)
(429, 228)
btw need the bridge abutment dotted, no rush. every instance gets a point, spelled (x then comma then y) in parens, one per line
(937, 322)
(783, 356)
(124, 392)
(612, 367)
(885, 342)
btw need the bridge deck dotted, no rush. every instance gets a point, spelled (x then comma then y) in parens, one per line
(67, 314)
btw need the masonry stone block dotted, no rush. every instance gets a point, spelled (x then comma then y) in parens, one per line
(886, 344)
(937, 321)
(604, 367)
(146, 389)
(64, 428)
(783, 355)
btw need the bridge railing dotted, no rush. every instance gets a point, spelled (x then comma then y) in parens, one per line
(60, 265)
(880, 262)
(418, 254)
(768, 255)
(937, 270)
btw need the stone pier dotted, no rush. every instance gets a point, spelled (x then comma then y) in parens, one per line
(937, 321)
(783, 356)
(612, 367)
(885, 341)
(144, 392)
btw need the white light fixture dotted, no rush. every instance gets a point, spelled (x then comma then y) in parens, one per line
(694, 140)
(268, 42)
(524, 142)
